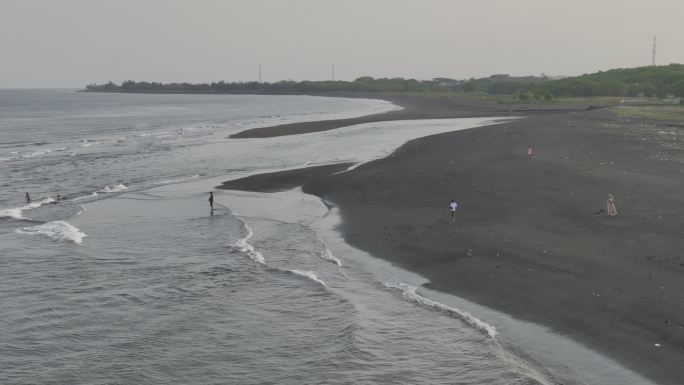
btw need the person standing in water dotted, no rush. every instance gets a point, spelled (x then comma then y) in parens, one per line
(211, 200)
(28, 198)
(529, 150)
(610, 206)
(452, 209)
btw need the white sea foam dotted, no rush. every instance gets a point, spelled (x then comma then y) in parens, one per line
(93, 195)
(34, 154)
(36, 204)
(179, 179)
(17, 212)
(410, 292)
(309, 274)
(249, 249)
(59, 230)
(118, 188)
(328, 256)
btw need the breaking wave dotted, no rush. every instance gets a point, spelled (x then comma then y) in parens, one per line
(58, 230)
(93, 195)
(312, 275)
(118, 188)
(17, 212)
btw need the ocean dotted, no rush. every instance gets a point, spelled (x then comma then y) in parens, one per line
(130, 278)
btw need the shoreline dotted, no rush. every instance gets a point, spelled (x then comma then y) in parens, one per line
(414, 107)
(527, 241)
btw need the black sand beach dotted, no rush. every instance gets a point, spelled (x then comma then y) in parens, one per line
(414, 107)
(530, 238)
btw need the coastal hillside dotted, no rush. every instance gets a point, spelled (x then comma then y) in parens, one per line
(659, 81)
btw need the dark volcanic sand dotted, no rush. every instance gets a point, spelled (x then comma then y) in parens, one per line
(281, 181)
(414, 107)
(528, 240)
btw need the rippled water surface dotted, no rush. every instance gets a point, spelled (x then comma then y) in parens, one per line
(131, 279)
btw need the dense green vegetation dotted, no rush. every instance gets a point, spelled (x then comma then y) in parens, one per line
(659, 81)
(362, 84)
(652, 81)
(495, 85)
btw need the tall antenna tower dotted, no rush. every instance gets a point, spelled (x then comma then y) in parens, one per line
(653, 62)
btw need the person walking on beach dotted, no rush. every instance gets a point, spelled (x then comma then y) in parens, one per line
(529, 150)
(611, 211)
(28, 198)
(211, 200)
(452, 209)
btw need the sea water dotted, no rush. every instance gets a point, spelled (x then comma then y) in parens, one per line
(131, 279)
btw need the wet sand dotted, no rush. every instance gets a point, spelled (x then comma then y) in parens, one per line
(282, 181)
(531, 238)
(414, 107)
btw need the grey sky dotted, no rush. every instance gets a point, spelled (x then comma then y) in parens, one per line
(69, 43)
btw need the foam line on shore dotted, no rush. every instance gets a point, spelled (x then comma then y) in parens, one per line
(256, 256)
(245, 247)
(328, 256)
(409, 292)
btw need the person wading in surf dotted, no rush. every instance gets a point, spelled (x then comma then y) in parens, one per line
(28, 198)
(211, 200)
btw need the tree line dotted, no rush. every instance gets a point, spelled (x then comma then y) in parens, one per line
(362, 84)
(656, 81)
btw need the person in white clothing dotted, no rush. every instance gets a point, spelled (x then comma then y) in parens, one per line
(452, 208)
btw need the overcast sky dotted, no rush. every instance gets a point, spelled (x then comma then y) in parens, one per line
(70, 43)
